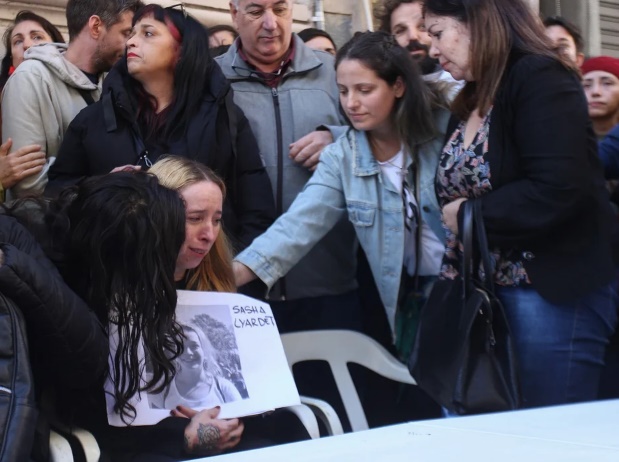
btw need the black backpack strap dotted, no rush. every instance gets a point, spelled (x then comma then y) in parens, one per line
(232, 120)
(87, 95)
(109, 116)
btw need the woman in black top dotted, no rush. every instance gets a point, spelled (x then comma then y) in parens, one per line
(168, 96)
(521, 143)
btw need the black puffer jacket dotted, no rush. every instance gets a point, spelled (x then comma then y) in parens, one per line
(106, 135)
(67, 344)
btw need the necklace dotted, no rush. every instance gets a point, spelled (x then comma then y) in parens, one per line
(403, 171)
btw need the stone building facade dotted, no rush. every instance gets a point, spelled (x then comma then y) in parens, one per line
(599, 19)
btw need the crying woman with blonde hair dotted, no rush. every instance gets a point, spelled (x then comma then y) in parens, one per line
(205, 260)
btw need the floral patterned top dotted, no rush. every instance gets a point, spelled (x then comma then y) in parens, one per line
(466, 173)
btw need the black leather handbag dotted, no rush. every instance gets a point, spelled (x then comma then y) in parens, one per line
(463, 355)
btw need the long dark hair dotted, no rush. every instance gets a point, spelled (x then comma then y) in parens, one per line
(192, 76)
(115, 239)
(413, 112)
(24, 15)
(497, 27)
(125, 234)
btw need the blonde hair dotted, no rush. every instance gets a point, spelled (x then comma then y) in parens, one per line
(215, 271)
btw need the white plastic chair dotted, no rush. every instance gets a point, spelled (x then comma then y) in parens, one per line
(58, 441)
(338, 348)
(89, 444)
(59, 448)
(325, 413)
(307, 417)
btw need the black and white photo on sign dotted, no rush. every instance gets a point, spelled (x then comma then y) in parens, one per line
(232, 358)
(208, 372)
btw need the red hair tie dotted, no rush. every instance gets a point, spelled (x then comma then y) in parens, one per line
(11, 69)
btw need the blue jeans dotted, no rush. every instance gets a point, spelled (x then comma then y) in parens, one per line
(560, 346)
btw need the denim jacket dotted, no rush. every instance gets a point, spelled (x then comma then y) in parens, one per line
(305, 98)
(348, 181)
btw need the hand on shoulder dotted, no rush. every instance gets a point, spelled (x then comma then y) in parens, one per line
(306, 150)
(20, 164)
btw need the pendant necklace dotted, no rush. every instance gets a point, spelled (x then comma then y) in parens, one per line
(402, 170)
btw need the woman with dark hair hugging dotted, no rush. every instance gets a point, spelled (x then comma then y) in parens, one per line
(167, 95)
(116, 240)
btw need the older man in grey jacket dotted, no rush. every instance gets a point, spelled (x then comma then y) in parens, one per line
(289, 93)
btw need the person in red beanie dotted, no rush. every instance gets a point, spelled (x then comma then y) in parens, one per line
(601, 84)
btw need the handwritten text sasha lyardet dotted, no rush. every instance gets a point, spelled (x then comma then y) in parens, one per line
(251, 316)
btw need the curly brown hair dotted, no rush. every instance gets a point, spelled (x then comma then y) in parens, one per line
(383, 10)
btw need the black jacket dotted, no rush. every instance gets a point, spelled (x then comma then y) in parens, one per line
(548, 199)
(68, 348)
(67, 344)
(106, 135)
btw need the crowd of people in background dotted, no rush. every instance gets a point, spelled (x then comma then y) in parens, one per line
(151, 153)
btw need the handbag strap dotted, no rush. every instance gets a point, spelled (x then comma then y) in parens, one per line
(473, 218)
(467, 244)
(87, 95)
(482, 241)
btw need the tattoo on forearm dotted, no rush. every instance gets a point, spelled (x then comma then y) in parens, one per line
(208, 437)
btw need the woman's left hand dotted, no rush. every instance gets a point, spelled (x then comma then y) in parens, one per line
(450, 214)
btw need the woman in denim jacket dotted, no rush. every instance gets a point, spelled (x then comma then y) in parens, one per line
(380, 173)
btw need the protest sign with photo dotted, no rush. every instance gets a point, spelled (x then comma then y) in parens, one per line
(233, 358)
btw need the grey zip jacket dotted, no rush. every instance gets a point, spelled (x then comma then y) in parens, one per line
(306, 98)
